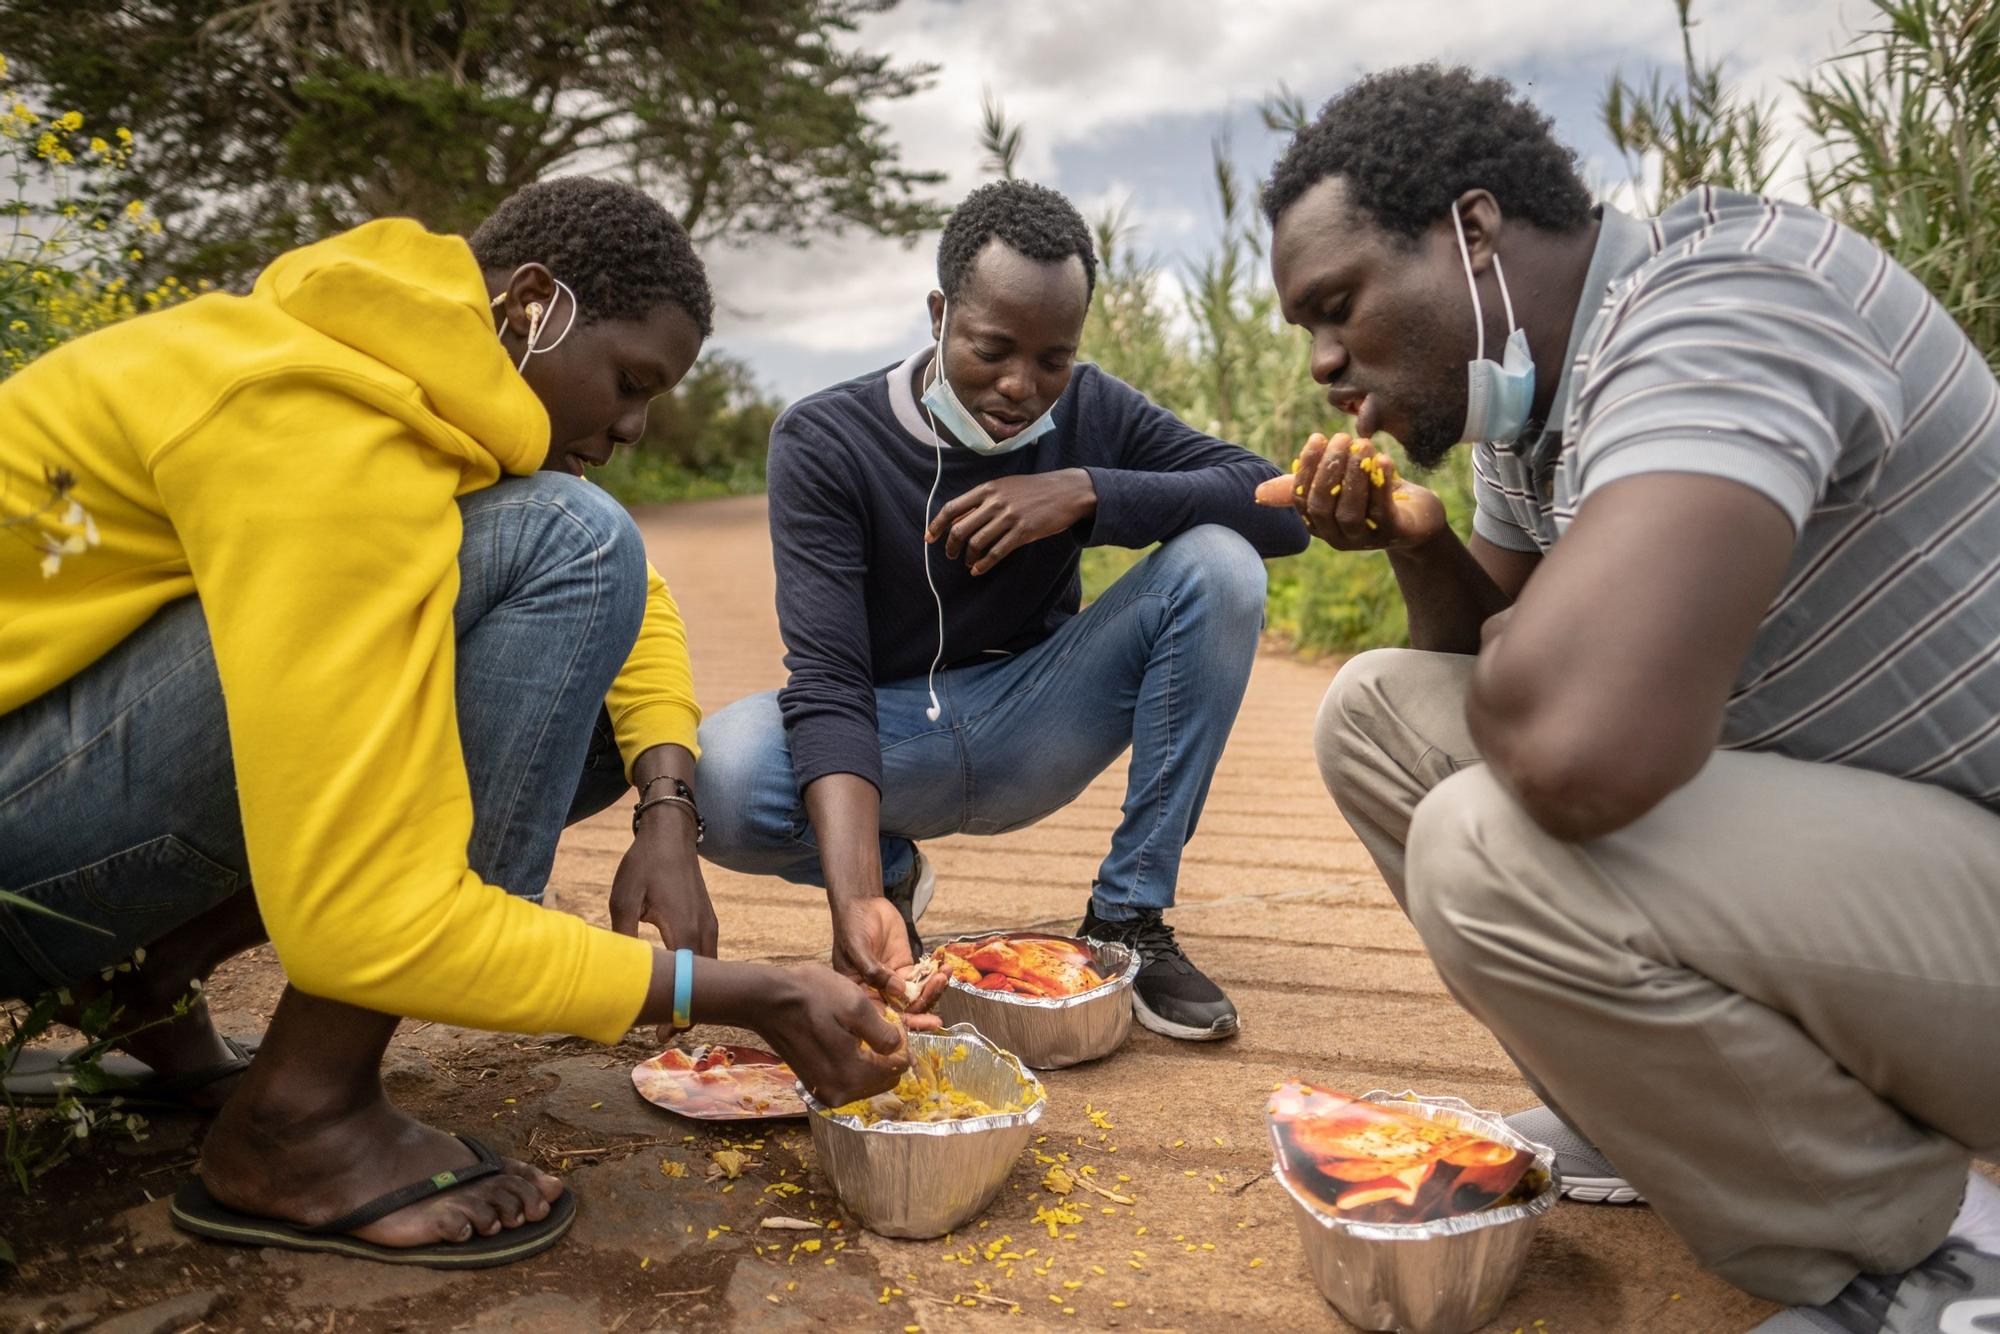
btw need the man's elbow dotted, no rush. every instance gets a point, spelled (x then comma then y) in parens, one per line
(1579, 793)
(1279, 533)
(321, 963)
(1575, 780)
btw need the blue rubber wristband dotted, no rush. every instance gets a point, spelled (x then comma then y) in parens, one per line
(683, 987)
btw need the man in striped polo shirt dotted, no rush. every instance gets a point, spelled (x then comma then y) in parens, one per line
(1691, 778)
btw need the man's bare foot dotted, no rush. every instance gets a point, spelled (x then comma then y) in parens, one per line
(270, 1163)
(172, 1046)
(177, 1046)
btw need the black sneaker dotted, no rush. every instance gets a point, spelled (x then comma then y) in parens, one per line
(912, 895)
(1171, 995)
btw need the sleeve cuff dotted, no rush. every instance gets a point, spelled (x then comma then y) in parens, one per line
(1502, 533)
(824, 742)
(1108, 526)
(620, 973)
(1743, 461)
(669, 723)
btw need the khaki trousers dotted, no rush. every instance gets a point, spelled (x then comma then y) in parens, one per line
(1773, 1002)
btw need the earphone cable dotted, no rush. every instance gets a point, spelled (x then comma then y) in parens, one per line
(936, 710)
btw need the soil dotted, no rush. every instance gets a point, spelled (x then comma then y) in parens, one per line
(1277, 901)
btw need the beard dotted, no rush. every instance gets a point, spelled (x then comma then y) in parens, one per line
(1438, 396)
(1434, 432)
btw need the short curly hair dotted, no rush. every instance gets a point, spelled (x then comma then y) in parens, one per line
(1029, 219)
(1410, 141)
(616, 247)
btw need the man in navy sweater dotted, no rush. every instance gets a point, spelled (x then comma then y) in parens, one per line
(927, 520)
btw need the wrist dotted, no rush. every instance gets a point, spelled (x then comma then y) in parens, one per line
(669, 823)
(1086, 498)
(1424, 549)
(739, 994)
(672, 792)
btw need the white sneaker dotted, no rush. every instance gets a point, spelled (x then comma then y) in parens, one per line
(1956, 1290)
(1587, 1175)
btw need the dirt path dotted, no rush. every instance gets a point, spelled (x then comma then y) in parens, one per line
(1332, 983)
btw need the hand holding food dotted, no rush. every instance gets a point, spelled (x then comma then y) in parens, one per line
(925, 1093)
(870, 946)
(833, 1034)
(1351, 497)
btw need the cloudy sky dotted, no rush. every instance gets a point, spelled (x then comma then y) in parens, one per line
(1119, 100)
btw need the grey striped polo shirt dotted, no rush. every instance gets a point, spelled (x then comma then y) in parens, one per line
(1760, 341)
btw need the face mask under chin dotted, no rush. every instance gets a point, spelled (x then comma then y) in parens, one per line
(943, 403)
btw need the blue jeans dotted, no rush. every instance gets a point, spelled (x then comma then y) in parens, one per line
(1159, 663)
(118, 793)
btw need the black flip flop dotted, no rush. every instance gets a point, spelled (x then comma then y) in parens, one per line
(41, 1076)
(195, 1210)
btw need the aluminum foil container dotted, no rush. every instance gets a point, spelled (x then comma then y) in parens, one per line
(1444, 1277)
(922, 1179)
(1048, 1033)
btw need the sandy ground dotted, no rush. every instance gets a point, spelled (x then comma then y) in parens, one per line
(1332, 983)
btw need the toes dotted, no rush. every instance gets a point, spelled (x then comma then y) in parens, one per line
(478, 1208)
(519, 1200)
(549, 1187)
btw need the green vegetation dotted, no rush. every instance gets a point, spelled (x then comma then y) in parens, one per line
(1902, 143)
(707, 438)
(67, 254)
(277, 122)
(71, 241)
(1907, 130)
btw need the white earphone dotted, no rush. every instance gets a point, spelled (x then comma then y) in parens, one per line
(536, 325)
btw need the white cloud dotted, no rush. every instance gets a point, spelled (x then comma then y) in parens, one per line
(1077, 76)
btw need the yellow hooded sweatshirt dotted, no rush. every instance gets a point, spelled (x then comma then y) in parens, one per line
(293, 456)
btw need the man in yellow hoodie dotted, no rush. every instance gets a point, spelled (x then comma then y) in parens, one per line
(349, 652)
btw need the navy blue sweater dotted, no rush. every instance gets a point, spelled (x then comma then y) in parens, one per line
(850, 473)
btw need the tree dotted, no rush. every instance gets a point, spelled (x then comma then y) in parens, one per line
(271, 123)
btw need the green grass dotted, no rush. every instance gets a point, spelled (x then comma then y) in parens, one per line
(645, 479)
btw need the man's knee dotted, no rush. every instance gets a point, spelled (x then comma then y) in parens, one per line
(559, 520)
(1349, 734)
(744, 765)
(602, 528)
(1467, 833)
(1223, 565)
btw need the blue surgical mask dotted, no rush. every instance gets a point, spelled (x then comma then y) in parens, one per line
(1498, 395)
(964, 427)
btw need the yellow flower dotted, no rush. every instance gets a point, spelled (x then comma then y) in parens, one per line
(124, 136)
(71, 121)
(99, 147)
(3, 67)
(22, 114)
(135, 210)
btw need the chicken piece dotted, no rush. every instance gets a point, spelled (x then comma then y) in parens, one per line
(1035, 965)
